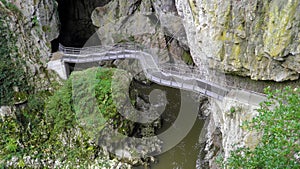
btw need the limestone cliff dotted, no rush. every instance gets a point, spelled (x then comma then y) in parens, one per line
(33, 24)
(153, 24)
(223, 131)
(255, 38)
(258, 39)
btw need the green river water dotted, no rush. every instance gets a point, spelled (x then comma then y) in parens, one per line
(184, 155)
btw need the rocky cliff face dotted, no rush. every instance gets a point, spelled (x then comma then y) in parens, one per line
(34, 24)
(153, 24)
(223, 131)
(256, 39)
(259, 39)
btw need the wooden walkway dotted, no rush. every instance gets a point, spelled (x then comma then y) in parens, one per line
(172, 75)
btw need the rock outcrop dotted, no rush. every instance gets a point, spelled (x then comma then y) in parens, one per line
(259, 39)
(223, 132)
(35, 25)
(256, 39)
(252, 39)
(154, 24)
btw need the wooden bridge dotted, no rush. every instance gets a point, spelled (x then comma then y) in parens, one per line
(172, 75)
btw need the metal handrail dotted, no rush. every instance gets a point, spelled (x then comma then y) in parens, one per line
(168, 70)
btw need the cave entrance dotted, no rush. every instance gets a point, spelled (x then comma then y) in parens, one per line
(76, 24)
(54, 45)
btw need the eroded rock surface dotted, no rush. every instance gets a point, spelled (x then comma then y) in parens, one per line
(34, 24)
(259, 39)
(154, 24)
(222, 131)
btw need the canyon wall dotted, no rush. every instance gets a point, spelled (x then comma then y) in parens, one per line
(34, 24)
(223, 132)
(258, 39)
(153, 24)
(254, 39)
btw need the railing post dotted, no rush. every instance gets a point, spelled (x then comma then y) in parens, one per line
(205, 90)
(160, 78)
(249, 101)
(123, 52)
(193, 86)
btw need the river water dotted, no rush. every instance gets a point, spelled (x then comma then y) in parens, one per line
(184, 155)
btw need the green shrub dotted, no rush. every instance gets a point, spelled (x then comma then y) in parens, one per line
(57, 126)
(187, 58)
(35, 21)
(80, 110)
(279, 121)
(25, 131)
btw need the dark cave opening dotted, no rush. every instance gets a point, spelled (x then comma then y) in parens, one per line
(76, 24)
(54, 45)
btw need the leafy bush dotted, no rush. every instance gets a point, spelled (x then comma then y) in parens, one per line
(279, 121)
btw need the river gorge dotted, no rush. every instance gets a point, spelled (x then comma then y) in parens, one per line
(247, 45)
